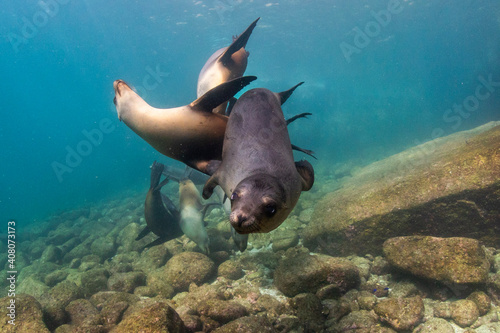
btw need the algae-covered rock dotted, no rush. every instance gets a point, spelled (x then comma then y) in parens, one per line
(230, 269)
(464, 312)
(483, 302)
(401, 313)
(158, 317)
(309, 311)
(222, 311)
(94, 280)
(83, 313)
(52, 254)
(159, 285)
(448, 187)
(32, 286)
(361, 319)
(126, 282)
(284, 239)
(54, 302)
(55, 277)
(186, 268)
(300, 272)
(453, 260)
(254, 324)
(25, 313)
(103, 247)
(435, 325)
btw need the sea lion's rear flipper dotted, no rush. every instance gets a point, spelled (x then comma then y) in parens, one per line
(305, 151)
(301, 115)
(156, 171)
(230, 105)
(220, 94)
(205, 210)
(143, 233)
(287, 93)
(158, 241)
(238, 43)
(306, 172)
(208, 189)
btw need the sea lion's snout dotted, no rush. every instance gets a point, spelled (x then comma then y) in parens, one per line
(118, 85)
(243, 223)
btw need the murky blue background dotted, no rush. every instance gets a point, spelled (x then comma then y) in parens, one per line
(373, 93)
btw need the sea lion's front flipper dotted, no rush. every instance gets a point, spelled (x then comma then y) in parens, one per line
(143, 233)
(301, 115)
(156, 171)
(238, 43)
(306, 172)
(208, 189)
(305, 151)
(287, 93)
(220, 94)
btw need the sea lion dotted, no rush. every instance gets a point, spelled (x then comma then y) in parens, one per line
(192, 213)
(191, 134)
(224, 65)
(161, 221)
(257, 171)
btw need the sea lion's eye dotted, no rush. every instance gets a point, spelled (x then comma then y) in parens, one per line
(270, 210)
(233, 196)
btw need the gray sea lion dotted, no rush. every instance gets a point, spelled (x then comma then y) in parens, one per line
(163, 222)
(257, 171)
(191, 134)
(192, 213)
(225, 64)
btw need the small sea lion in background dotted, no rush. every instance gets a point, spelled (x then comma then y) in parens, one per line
(163, 222)
(257, 171)
(191, 134)
(225, 64)
(192, 213)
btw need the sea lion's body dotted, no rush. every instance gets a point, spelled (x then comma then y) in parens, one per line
(224, 65)
(191, 214)
(161, 221)
(192, 134)
(257, 170)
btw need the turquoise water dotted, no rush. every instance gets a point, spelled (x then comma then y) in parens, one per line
(381, 76)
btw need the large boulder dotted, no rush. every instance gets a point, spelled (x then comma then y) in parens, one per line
(158, 317)
(25, 315)
(448, 187)
(186, 268)
(300, 272)
(452, 260)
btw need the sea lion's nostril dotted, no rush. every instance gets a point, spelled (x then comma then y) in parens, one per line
(241, 219)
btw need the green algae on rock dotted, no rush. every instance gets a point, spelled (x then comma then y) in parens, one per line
(401, 313)
(300, 272)
(446, 187)
(158, 317)
(186, 268)
(452, 260)
(28, 315)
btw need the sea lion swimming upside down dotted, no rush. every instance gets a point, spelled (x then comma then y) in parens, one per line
(257, 171)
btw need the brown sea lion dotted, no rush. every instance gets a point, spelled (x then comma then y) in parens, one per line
(160, 220)
(257, 171)
(192, 134)
(225, 64)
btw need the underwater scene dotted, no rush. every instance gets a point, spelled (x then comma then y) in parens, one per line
(250, 166)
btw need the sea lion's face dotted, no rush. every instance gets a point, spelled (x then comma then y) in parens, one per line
(258, 204)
